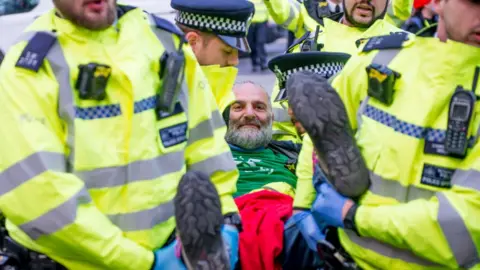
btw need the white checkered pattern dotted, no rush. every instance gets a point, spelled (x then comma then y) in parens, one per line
(216, 24)
(325, 69)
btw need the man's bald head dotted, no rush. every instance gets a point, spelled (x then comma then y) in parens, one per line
(251, 117)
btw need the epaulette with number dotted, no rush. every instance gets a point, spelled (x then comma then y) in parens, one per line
(393, 41)
(36, 51)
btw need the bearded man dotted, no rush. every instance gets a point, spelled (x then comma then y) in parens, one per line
(249, 135)
(266, 186)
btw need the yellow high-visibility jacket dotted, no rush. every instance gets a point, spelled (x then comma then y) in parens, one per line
(293, 16)
(335, 37)
(261, 12)
(423, 207)
(91, 183)
(221, 81)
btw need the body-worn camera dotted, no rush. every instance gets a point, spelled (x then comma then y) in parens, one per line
(92, 81)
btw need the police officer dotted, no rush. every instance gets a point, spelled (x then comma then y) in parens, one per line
(103, 112)
(303, 16)
(216, 30)
(359, 22)
(413, 105)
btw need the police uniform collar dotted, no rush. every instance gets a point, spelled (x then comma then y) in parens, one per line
(329, 23)
(65, 26)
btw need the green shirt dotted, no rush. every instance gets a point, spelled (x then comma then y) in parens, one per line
(261, 167)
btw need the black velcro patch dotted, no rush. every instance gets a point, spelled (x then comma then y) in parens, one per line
(36, 50)
(437, 176)
(174, 135)
(394, 41)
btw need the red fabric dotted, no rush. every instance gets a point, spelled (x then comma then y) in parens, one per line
(264, 214)
(420, 3)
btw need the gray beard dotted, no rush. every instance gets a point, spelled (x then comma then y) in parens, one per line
(249, 138)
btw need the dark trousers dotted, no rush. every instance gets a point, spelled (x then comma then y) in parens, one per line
(291, 38)
(257, 38)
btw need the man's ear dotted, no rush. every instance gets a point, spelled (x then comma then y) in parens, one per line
(193, 39)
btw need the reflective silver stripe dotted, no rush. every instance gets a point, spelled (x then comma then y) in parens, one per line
(393, 189)
(467, 179)
(28, 168)
(361, 110)
(57, 218)
(206, 128)
(135, 171)
(383, 57)
(280, 132)
(291, 16)
(168, 43)
(66, 108)
(145, 219)
(222, 162)
(391, 13)
(281, 115)
(459, 238)
(389, 251)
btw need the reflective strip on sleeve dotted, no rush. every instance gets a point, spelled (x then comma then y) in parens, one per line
(467, 179)
(391, 14)
(206, 128)
(222, 162)
(26, 169)
(459, 238)
(394, 189)
(145, 219)
(57, 218)
(291, 16)
(389, 251)
(281, 115)
(136, 171)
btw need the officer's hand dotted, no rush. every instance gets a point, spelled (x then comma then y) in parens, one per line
(308, 227)
(231, 238)
(330, 206)
(167, 258)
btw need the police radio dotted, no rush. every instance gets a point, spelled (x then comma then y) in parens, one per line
(311, 44)
(172, 65)
(460, 113)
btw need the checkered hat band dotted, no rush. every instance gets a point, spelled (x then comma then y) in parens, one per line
(326, 69)
(213, 24)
